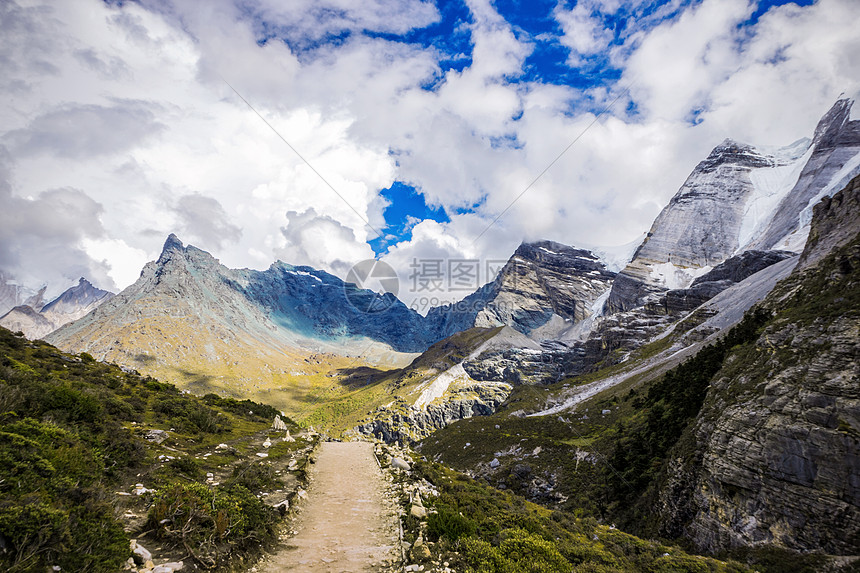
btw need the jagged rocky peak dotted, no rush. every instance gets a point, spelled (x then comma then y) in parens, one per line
(698, 229)
(71, 305)
(550, 254)
(740, 198)
(731, 152)
(542, 289)
(834, 161)
(833, 124)
(172, 244)
(84, 294)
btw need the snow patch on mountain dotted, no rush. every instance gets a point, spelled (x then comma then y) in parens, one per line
(615, 258)
(770, 186)
(837, 182)
(672, 276)
(796, 239)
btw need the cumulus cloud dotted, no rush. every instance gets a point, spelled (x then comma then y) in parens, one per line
(76, 131)
(203, 219)
(41, 235)
(320, 241)
(120, 112)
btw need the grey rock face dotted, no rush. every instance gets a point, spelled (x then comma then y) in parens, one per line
(834, 223)
(832, 164)
(721, 277)
(698, 228)
(704, 222)
(776, 459)
(542, 280)
(780, 461)
(405, 424)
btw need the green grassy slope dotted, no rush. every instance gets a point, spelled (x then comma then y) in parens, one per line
(73, 435)
(477, 528)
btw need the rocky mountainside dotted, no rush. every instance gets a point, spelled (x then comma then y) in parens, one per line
(277, 332)
(737, 199)
(776, 457)
(742, 441)
(72, 304)
(543, 289)
(834, 159)
(13, 294)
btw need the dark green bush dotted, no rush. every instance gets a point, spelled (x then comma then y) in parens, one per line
(205, 519)
(254, 476)
(449, 524)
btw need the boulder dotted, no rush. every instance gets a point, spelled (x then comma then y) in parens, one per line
(156, 436)
(279, 424)
(400, 464)
(140, 554)
(418, 512)
(420, 551)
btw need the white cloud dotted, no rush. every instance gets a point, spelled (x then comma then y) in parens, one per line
(124, 109)
(584, 30)
(320, 241)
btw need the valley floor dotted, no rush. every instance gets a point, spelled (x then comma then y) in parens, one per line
(349, 522)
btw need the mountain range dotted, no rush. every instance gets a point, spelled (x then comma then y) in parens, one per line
(707, 391)
(36, 319)
(740, 210)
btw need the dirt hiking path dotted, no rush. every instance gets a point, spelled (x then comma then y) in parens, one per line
(348, 522)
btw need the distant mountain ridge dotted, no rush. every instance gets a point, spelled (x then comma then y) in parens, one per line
(200, 320)
(36, 319)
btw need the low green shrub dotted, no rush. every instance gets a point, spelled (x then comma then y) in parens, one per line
(204, 519)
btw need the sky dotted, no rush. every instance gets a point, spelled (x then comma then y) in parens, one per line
(326, 132)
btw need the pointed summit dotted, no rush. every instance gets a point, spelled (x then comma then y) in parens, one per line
(72, 300)
(832, 123)
(172, 243)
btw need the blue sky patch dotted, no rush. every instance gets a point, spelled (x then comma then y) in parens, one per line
(406, 208)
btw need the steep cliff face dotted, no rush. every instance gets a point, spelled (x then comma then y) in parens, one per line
(544, 288)
(405, 423)
(834, 161)
(699, 228)
(740, 198)
(777, 444)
